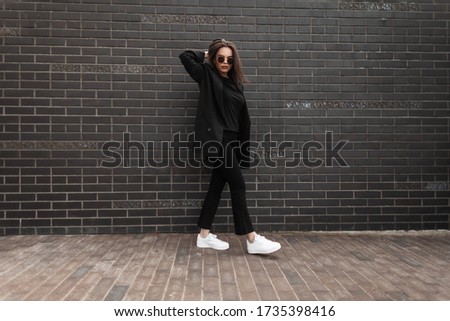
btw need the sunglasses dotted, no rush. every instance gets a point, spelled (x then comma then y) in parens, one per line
(221, 59)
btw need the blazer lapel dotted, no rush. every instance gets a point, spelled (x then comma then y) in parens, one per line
(218, 92)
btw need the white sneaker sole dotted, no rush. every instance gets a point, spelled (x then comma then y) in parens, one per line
(214, 248)
(266, 251)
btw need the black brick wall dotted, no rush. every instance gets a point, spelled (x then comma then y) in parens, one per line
(372, 76)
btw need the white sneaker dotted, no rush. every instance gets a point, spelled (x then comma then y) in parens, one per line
(211, 242)
(261, 245)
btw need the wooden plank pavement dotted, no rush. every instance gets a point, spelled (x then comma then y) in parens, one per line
(310, 266)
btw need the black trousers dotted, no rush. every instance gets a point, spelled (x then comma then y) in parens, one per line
(226, 170)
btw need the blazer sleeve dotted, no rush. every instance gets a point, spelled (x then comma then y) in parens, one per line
(193, 63)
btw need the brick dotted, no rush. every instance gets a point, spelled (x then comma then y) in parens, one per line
(90, 72)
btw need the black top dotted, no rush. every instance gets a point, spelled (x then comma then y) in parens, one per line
(233, 102)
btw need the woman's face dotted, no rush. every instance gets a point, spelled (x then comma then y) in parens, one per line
(224, 54)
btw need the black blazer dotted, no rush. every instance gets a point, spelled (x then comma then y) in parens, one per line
(209, 123)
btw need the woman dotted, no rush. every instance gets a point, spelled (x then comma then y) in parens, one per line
(223, 123)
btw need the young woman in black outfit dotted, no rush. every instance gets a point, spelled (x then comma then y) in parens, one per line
(223, 123)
